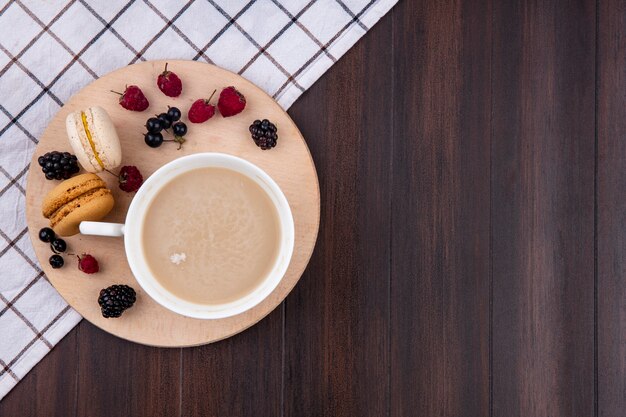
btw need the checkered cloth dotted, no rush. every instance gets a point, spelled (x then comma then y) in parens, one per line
(50, 49)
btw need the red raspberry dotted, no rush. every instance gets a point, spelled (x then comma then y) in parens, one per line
(88, 264)
(133, 99)
(130, 178)
(231, 102)
(201, 110)
(169, 83)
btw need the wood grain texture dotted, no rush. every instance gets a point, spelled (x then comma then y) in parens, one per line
(440, 210)
(543, 208)
(289, 164)
(239, 376)
(336, 320)
(611, 206)
(121, 378)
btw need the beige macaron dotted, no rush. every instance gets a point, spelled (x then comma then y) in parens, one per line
(94, 139)
(81, 198)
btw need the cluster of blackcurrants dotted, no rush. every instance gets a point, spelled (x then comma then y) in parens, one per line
(57, 245)
(164, 121)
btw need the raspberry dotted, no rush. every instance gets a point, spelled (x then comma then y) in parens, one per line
(88, 264)
(133, 99)
(169, 83)
(201, 110)
(130, 179)
(231, 102)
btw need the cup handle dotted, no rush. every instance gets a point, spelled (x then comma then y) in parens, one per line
(101, 229)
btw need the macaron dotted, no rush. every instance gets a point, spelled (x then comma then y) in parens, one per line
(94, 139)
(81, 198)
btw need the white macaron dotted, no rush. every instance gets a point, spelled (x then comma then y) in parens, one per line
(94, 139)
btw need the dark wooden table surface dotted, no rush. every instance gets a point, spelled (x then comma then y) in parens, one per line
(472, 251)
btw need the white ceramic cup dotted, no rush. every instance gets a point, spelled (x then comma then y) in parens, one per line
(132, 232)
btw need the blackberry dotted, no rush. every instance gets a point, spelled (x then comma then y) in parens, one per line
(264, 133)
(114, 300)
(58, 165)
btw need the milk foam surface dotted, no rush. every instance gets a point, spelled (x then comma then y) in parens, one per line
(224, 223)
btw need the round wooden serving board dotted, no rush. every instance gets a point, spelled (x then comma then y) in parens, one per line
(289, 164)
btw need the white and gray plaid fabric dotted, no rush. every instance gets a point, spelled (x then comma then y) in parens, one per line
(50, 49)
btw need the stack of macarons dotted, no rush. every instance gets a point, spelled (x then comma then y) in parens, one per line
(85, 197)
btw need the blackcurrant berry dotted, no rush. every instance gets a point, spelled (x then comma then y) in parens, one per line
(174, 114)
(166, 122)
(56, 261)
(179, 129)
(153, 140)
(58, 245)
(154, 125)
(46, 234)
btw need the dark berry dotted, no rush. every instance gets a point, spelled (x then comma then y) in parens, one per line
(166, 122)
(179, 129)
(154, 125)
(174, 114)
(114, 300)
(153, 140)
(56, 261)
(58, 165)
(58, 245)
(264, 134)
(46, 234)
